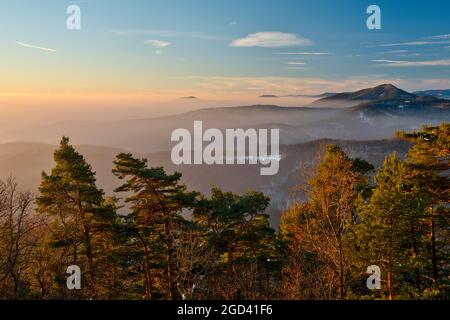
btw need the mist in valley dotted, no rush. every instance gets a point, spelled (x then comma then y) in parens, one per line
(365, 128)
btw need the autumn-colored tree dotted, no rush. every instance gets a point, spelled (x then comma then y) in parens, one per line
(168, 243)
(17, 226)
(303, 277)
(326, 222)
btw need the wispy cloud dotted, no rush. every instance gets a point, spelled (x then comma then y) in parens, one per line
(304, 53)
(27, 45)
(410, 43)
(295, 68)
(249, 87)
(441, 36)
(271, 40)
(233, 23)
(355, 55)
(296, 63)
(158, 43)
(394, 52)
(398, 63)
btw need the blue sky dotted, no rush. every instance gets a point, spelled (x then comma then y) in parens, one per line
(164, 49)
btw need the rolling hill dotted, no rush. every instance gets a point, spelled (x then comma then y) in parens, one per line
(442, 94)
(26, 161)
(369, 117)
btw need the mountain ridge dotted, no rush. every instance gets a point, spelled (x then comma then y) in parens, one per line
(382, 96)
(438, 93)
(393, 109)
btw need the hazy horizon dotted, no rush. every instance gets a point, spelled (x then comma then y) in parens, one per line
(145, 58)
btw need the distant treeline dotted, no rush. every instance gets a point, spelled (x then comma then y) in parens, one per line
(179, 244)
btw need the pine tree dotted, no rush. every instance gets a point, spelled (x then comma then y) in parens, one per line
(390, 233)
(77, 207)
(157, 203)
(238, 231)
(428, 165)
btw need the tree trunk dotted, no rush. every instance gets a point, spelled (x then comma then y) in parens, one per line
(147, 273)
(416, 254)
(341, 276)
(170, 267)
(434, 262)
(389, 283)
(90, 258)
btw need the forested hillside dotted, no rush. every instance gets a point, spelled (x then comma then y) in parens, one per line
(174, 242)
(26, 161)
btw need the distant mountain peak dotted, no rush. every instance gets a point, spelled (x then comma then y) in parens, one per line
(387, 86)
(388, 99)
(268, 96)
(389, 91)
(381, 92)
(190, 98)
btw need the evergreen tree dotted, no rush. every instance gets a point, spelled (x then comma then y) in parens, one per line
(238, 231)
(390, 234)
(428, 165)
(79, 214)
(157, 203)
(178, 244)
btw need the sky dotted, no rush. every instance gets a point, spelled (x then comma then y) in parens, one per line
(142, 53)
